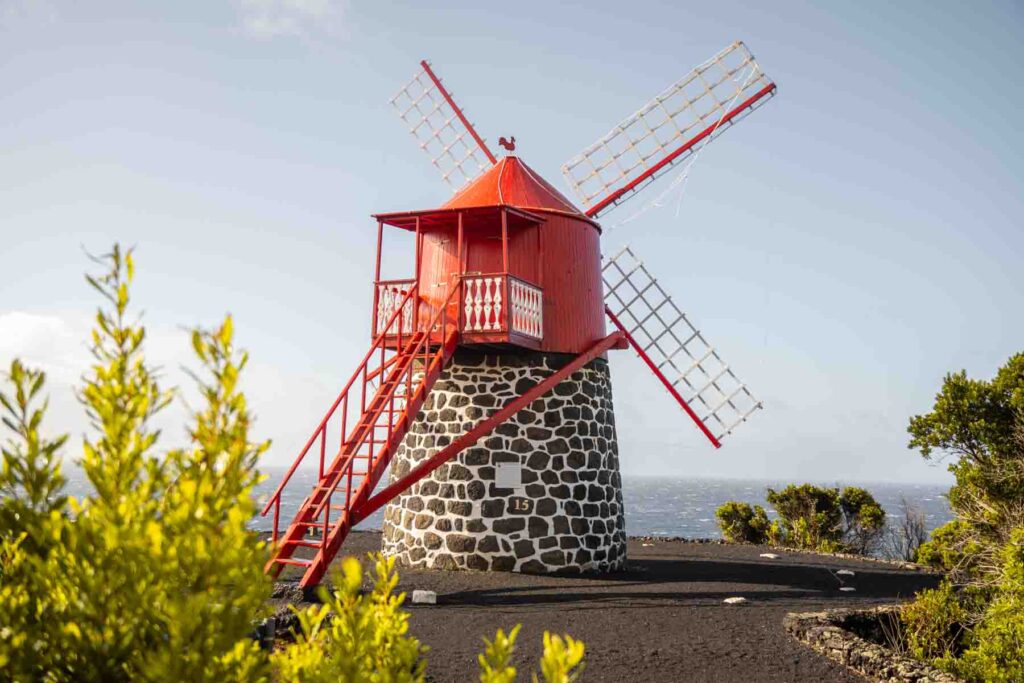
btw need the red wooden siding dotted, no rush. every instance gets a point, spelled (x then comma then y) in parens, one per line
(550, 244)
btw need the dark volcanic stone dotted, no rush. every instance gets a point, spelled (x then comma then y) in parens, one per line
(492, 508)
(553, 558)
(457, 543)
(533, 567)
(546, 507)
(503, 563)
(488, 544)
(459, 473)
(538, 460)
(523, 549)
(475, 490)
(508, 526)
(477, 562)
(537, 527)
(459, 508)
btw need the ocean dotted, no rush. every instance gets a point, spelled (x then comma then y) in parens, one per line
(655, 506)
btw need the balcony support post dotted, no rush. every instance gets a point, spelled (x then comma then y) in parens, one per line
(376, 281)
(504, 266)
(416, 298)
(504, 240)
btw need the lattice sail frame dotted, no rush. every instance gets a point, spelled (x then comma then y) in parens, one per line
(674, 346)
(698, 107)
(441, 129)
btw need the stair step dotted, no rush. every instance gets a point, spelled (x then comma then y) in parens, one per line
(304, 543)
(295, 561)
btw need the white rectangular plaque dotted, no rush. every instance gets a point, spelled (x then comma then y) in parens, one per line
(508, 475)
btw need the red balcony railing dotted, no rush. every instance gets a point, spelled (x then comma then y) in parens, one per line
(491, 305)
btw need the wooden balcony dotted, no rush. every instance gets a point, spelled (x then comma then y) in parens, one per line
(493, 308)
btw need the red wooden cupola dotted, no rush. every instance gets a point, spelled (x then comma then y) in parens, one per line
(526, 260)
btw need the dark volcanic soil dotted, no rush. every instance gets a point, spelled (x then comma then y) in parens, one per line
(661, 620)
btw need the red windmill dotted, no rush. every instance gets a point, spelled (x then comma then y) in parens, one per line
(507, 306)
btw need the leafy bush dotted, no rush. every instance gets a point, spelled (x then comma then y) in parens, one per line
(997, 652)
(155, 575)
(350, 637)
(741, 523)
(981, 425)
(561, 661)
(810, 517)
(863, 520)
(933, 624)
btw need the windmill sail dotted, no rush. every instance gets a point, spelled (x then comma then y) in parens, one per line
(677, 352)
(442, 129)
(670, 128)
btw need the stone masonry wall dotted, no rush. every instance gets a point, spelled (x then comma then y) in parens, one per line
(566, 516)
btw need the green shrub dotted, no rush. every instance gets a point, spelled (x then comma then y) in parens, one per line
(997, 650)
(810, 515)
(980, 425)
(934, 625)
(351, 637)
(863, 520)
(561, 662)
(951, 547)
(741, 523)
(155, 576)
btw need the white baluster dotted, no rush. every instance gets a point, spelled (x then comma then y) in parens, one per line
(469, 304)
(478, 306)
(497, 303)
(487, 302)
(540, 314)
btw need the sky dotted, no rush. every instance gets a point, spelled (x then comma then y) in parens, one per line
(843, 247)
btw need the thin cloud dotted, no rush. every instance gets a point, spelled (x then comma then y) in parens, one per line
(268, 19)
(17, 12)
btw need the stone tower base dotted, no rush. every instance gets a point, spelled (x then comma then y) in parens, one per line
(541, 493)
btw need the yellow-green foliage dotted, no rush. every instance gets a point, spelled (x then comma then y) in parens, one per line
(810, 517)
(562, 659)
(951, 547)
(741, 523)
(933, 625)
(980, 423)
(155, 575)
(351, 638)
(997, 650)
(496, 659)
(561, 662)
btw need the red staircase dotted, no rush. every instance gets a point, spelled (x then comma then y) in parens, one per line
(380, 401)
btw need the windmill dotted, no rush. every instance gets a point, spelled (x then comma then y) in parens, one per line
(485, 394)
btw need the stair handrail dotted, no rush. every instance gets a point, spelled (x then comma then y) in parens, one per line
(334, 406)
(439, 315)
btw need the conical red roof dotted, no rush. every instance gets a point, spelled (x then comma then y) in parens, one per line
(510, 182)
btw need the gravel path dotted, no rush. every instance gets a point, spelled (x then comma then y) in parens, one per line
(661, 620)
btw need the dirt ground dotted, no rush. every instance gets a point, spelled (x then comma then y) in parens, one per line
(662, 619)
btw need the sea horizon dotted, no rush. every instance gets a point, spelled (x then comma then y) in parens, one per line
(655, 505)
